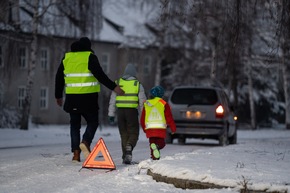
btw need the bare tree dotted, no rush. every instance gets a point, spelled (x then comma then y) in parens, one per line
(24, 124)
(86, 15)
(231, 49)
(162, 31)
(227, 41)
(248, 17)
(196, 30)
(36, 10)
(284, 36)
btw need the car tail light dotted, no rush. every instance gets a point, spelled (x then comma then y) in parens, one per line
(219, 112)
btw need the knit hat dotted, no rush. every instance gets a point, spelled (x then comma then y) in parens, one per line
(130, 70)
(85, 44)
(157, 91)
(86, 41)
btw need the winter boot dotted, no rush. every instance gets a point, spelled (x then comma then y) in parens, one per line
(128, 155)
(76, 156)
(85, 149)
(155, 151)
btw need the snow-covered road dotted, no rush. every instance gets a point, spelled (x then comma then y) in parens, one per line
(39, 160)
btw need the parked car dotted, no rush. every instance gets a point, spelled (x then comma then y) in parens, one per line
(202, 112)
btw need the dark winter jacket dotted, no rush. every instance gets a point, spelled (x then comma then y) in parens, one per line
(82, 102)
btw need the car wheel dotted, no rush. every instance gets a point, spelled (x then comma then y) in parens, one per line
(233, 139)
(169, 138)
(223, 139)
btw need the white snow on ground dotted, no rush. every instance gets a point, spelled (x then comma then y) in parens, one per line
(261, 159)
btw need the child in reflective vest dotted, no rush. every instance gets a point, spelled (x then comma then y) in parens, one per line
(156, 115)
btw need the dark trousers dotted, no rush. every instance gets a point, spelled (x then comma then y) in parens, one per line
(75, 128)
(160, 142)
(128, 125)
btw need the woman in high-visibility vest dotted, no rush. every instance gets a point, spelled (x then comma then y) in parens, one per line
(156, 116)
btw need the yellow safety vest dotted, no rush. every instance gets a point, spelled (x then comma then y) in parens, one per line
(131, 89)
(155, 118)
(78, 78)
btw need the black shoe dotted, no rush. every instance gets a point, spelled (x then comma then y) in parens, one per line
(128, 155)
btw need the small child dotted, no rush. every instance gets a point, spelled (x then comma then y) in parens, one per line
(156, 115)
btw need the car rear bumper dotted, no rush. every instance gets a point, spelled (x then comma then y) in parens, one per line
(200, 128)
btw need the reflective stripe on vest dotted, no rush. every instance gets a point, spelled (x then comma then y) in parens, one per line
(130, 98)
(155, 118)
(78, 78)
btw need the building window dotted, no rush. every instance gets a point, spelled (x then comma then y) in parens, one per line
(22, 57)
(44, 55)
(43, 98)
(21, 96)
(1, 58)
(105, 62)
(147, 65)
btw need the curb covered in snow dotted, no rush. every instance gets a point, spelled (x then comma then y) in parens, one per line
(192, 184)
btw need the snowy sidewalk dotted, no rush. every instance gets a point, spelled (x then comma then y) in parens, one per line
(260, 161)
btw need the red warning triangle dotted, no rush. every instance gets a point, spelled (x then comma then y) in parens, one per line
(99, 157)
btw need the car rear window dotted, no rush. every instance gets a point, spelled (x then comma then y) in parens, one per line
(194, 96)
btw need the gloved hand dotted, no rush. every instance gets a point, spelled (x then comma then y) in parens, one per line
(111, 120)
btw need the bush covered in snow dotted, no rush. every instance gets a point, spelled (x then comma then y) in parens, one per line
(9, 118)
